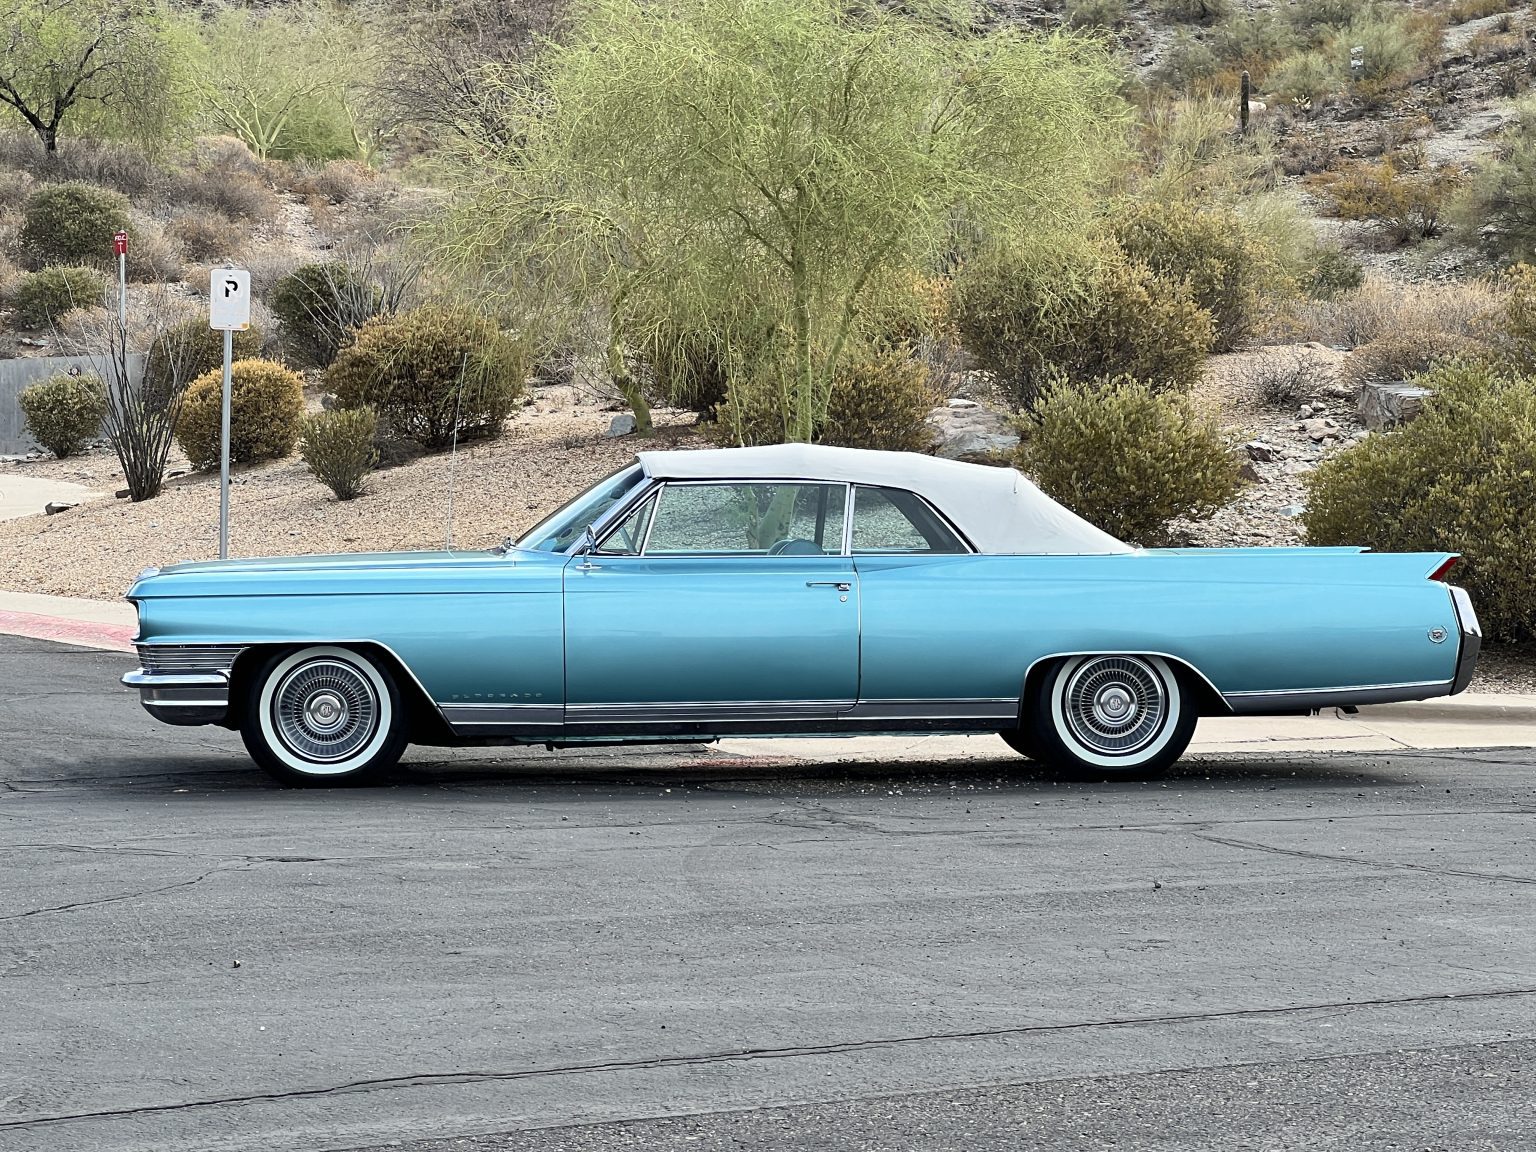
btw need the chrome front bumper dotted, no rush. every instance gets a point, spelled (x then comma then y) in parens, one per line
(184, 683)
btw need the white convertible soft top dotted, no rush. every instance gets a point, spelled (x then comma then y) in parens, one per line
(997, 508)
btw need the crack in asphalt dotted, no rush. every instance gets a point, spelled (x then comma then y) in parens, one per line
(125, 895)
(437, 1079)
(1305, 854)
(108, 849)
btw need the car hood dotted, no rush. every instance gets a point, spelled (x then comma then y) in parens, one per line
(346, 572)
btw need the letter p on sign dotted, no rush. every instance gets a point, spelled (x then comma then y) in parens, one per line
(229, 299)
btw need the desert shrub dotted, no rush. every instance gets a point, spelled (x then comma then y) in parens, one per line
(64, 412)
(1458, 478)
(1409, 205)
(1193, 11)
(1305, 77)
(334, 182)
(1283, 377)
(1255, 40)
(339, 448)
(1513, 332)
(1188, 61)
(187, 350)
(320, 306)
(1396, 44)
(433, 373)
(1380, 307)
(1128, 322)
(266, 404)
(1127, 458)
(1405, 353)
(72, 223)
(691, 367)
(1315, 18)
(881, 402)
(1095, 13)
(1330, 272)
(1497, 206)
(153, 258)
(42, 297)
(208, 236)
(1211, 251)
(1462, 11)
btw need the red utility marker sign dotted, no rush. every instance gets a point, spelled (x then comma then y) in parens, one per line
(120, 244)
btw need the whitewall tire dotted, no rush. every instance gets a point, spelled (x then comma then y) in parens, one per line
(323, 715)
(1113, 715)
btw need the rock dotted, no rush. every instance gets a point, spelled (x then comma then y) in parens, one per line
(54, 507)
(623, 425)
(327, 402)
(1304, 412)
(975, 432)
(1319, 430)
(1297, 468)
(1251, 474)
(1384, 405)
(961, 402)
(1260, 451)
(1293, 510)
(123, 493)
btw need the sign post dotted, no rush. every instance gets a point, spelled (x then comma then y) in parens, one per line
(120, 250)
(229, 310)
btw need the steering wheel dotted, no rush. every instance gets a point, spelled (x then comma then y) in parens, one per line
(793, 547)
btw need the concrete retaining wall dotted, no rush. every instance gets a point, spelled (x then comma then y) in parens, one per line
(18, 374)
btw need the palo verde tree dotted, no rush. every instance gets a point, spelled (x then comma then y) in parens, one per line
(764, 165)
(115, 62)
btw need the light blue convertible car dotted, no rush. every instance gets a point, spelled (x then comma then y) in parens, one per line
(791, 590)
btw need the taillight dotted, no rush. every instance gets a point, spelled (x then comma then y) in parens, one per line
(1444, 570)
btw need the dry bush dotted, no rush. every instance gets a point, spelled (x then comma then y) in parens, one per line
(1402, 354)
(339, 448)
(153, 257)
(207, 236)
(119, 165)
(1461, 11)
(223, 174)
(268, 265)
(1379, 306)
(1407, 200)
(334, 182)
(1283, 377)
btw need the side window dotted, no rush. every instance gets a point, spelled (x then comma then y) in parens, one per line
(890, 520)
(756, 519)
(629, 537)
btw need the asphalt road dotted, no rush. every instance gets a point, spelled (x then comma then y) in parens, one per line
(678, 950)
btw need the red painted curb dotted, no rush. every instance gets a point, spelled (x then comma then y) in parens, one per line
(85, 633)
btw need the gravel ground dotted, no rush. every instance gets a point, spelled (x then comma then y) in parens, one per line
(555, 448)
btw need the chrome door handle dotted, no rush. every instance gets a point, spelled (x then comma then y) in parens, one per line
(840, 585)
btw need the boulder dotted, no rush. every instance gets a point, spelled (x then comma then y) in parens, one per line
(54, 507)
(1386, 405)
(974, 433)
(623, 425)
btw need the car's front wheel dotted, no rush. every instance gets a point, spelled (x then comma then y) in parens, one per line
(1113, 716)
(323, 715)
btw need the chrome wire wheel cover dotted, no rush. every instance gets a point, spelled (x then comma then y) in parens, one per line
(325, 710)
(1115, 705)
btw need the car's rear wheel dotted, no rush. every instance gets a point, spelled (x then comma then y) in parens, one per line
(323, 715)
(1113, 716)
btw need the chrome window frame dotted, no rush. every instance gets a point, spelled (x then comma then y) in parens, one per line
(605, 525)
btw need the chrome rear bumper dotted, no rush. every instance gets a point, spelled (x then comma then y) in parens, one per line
(184, 683)
(1471, 639)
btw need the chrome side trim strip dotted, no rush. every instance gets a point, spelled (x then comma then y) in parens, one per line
(1299, 699)
(704, 712)
(986, 708)
(511, 715)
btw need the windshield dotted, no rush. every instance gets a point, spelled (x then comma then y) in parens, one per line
(559, 531)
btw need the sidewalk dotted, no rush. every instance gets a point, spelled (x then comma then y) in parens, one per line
(29, 495)
(1471, 720)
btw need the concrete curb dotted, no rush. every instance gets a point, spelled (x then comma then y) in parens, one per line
(83, 633)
